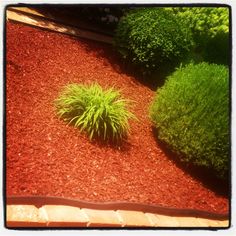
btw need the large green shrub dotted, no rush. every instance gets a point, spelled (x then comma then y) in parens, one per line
(204, 20)
(101, 113)
(152, 37)
(191, 113)
(210, 29)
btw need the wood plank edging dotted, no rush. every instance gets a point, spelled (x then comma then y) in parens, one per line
(44, 23)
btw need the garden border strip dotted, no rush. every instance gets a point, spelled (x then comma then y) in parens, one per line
(48, 24)
(67, 216)
(114, 205)
(32, 11)
(26, 10)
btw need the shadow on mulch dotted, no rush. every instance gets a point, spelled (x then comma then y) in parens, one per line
(83, 17)
(204, 175)
(119, 65)
(117, 144)
(121, 145)
(102, 50)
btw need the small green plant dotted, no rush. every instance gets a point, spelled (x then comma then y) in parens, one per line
(101, 113)
(191, 114)
(152, 37)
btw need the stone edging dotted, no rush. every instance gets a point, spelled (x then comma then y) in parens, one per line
(51, 216)
(150, 208)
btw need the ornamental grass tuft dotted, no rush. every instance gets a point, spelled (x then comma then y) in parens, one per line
(101, 113)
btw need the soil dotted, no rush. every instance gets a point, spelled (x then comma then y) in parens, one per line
(46, 157)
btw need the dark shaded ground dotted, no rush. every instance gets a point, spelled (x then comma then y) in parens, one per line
(199, 173)
(99, 17)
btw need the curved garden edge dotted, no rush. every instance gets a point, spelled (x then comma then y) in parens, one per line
(118, 205)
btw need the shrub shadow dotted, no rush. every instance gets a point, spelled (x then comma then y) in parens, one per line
(82, 16)
(122, 66)
(118, 144)
(204, 175)
(152, 80)
(121, 145)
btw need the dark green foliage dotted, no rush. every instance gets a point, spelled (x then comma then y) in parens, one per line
(210, 29)
(101, 113)
(152, 37)
(204, 20)
(191, 113)
(217, 49)
(100, 17)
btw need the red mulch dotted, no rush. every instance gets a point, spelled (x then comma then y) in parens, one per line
(47, 157)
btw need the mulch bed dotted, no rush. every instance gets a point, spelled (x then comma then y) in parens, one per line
(47, 157)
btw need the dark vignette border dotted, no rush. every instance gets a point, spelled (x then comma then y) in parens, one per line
(124, 205)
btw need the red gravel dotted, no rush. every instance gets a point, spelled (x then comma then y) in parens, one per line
(46, 157)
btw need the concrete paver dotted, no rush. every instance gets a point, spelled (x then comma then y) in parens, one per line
(68, 216)
(65, 216)
(105, 218)
(134, 218)
(162, 220)
(24, 216)
(187, 221)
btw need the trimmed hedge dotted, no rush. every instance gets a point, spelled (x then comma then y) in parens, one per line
(208, 21)
(210, 29)
(191, 114)
(152, 37)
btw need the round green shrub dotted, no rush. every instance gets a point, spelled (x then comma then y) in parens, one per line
(210, 29)
(101, 113)
(191, 114)
(204, 20)
(151, 37)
